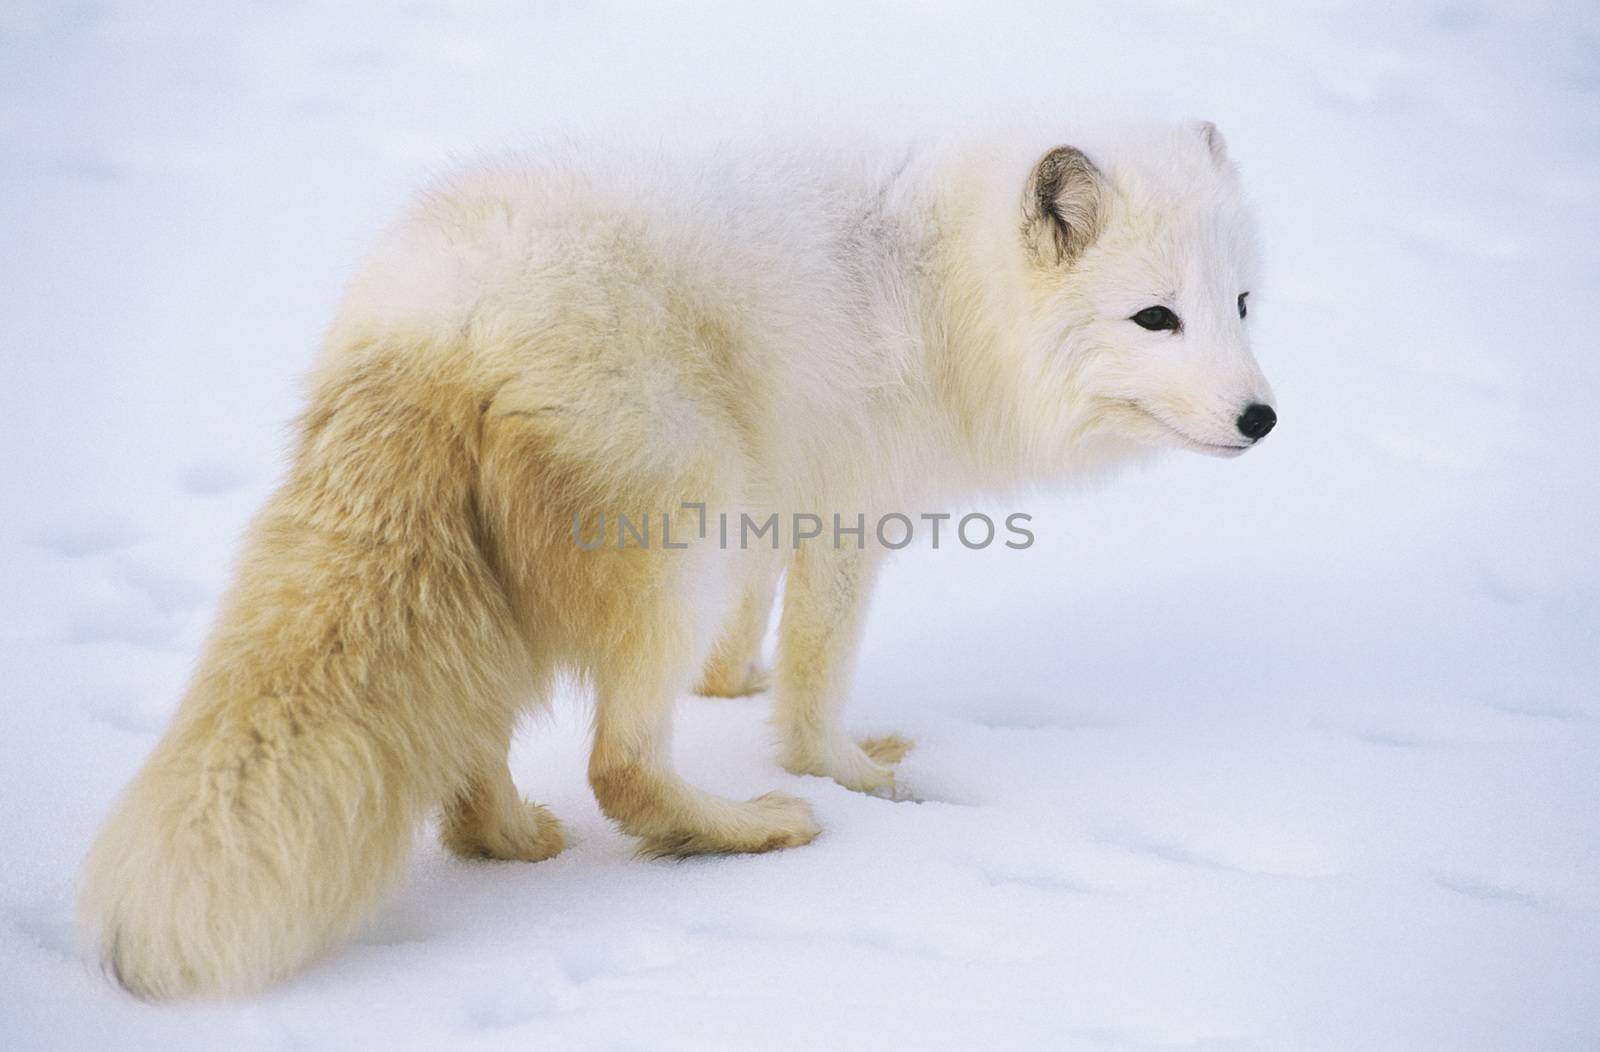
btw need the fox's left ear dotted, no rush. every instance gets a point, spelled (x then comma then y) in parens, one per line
(1062, 207)
(1214, 141)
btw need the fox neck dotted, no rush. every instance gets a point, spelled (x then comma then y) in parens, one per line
(978, 301)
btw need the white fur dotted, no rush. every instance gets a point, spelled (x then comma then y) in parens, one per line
(825, 327)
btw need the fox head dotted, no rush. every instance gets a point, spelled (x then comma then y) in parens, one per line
(1138, 272)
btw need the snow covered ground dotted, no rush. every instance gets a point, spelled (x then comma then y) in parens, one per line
(1300, 751)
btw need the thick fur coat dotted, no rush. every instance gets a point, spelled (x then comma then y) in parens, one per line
(590, 333)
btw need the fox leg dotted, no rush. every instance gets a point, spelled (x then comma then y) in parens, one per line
(824, 608)
(488, 818)
(735, 668)
(630, 767)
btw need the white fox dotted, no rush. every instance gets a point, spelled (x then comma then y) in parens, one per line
(546, 340)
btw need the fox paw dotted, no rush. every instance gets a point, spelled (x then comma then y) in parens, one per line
(532, 834)
(867, 767)
(723, 681)
(767, 823)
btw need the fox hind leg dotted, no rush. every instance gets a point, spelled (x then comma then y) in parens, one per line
(630, 768)
(488, 818)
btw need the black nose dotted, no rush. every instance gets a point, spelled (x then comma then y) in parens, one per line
(1256, 421)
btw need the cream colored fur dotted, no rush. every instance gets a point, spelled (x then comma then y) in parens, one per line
(815, 329)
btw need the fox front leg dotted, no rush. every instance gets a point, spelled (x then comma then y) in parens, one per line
(824, 611)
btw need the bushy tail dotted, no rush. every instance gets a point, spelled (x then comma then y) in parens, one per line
(216, 880)
(362, 663)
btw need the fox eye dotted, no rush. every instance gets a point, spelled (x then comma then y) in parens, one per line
(1156, 319)
(1243, 310)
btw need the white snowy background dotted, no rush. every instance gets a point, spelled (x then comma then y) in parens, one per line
(1300, 751)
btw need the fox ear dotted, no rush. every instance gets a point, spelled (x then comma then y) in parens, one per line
(1062, 206)
(1214, 141)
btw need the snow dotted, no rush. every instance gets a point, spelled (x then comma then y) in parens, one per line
(1295, 751)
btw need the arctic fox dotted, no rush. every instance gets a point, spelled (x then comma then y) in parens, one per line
(547, 342)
